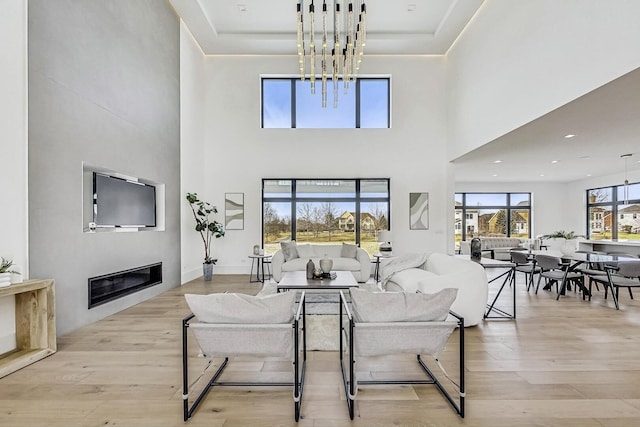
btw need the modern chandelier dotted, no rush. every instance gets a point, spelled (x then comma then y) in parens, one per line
(342, 48)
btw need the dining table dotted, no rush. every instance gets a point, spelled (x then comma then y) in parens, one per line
(574, 260)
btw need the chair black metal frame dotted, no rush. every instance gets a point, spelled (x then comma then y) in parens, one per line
(525, 265)
(554, 269)
(299, 367)
(350, 383)
(625, 274)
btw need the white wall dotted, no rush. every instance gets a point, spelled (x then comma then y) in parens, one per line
(518, 60)
(13, 137)
(192, 160)
(238, 153)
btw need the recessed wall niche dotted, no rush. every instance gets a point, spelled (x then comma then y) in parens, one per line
(117, 182)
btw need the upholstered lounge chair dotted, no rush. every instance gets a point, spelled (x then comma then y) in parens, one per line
(228, 325)
(391, 323)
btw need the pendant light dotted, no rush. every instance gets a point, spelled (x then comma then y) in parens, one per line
(626, 180)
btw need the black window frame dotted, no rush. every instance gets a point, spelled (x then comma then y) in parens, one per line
(615, 202)
(357, 99)
(508, 208)
(357, 200)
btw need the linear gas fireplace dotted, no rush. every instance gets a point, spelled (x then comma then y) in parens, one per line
(112, 286)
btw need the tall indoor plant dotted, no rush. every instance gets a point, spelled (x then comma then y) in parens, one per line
(207, 228)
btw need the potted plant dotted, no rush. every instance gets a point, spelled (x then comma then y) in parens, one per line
(207, 228)
(6, 272)
(566, 241)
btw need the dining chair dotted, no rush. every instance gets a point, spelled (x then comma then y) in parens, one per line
(626, 274)
(525, 265)
(554, 270)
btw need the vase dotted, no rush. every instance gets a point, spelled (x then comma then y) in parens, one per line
(207, 271)
(476, 249)
(310, 269)
(5, 279)
(256, 250)
(326, 264)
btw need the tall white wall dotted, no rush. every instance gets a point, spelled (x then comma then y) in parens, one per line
(238, 153)
(13, 143)
(192, 159)
(518, 60)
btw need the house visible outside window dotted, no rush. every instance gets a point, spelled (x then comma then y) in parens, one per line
(609, 216)
(325, 211)
(492, 215)
(289, 103)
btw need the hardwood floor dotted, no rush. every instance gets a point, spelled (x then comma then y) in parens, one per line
(561, 363)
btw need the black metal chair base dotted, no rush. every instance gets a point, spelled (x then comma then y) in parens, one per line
(299, 369)
(350, 385)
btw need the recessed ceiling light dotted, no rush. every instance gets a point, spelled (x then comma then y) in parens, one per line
(554, 161)
(242, 7)
(569, 136)
(585, 157)
(497, 161)
(411, 7)
(541, 174)
(495, 174)
(588, 174)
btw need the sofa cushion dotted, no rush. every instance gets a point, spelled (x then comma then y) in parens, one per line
(401, 306)
(349, 250)
(241, 308)
(289, 249)
(305, 251)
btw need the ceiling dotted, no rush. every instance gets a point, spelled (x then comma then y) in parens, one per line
(260, 27)
(605, 122)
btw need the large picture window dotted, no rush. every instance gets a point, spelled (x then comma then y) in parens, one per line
(492, 215)
(324, 211)
(289, 103)
(611, 215)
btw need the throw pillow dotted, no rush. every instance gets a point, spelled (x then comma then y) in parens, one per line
(349, 251)
(241, 308)
(305, 251)
(289, 250)
(401, 306)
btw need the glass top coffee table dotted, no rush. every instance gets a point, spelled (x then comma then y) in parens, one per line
(298, 280)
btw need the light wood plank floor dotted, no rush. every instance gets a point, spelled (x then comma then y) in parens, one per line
(561, 363)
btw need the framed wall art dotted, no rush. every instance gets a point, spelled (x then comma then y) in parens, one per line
(234, 211)
(419, 211)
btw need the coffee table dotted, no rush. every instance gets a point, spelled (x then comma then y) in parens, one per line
(320, 294)
(298, 280)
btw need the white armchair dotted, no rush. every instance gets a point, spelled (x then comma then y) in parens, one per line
(227, 325)
(390, 323)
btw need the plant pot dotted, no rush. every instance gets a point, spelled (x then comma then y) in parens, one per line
(569, 247)
(5, 279)
(207, 271)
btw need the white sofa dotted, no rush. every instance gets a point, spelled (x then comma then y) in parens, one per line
(445, 271)
(345, 258)
(499, 247)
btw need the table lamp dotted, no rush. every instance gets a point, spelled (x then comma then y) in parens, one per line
(385, 237)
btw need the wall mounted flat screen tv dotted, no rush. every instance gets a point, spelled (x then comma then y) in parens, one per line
(119, 202)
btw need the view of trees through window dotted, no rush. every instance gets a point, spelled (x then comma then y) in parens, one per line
(611, 215)
(322, 211)
(492, 215)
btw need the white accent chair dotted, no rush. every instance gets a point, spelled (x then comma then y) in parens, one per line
(228, 325)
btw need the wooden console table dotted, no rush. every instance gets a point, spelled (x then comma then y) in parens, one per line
(35, 324)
